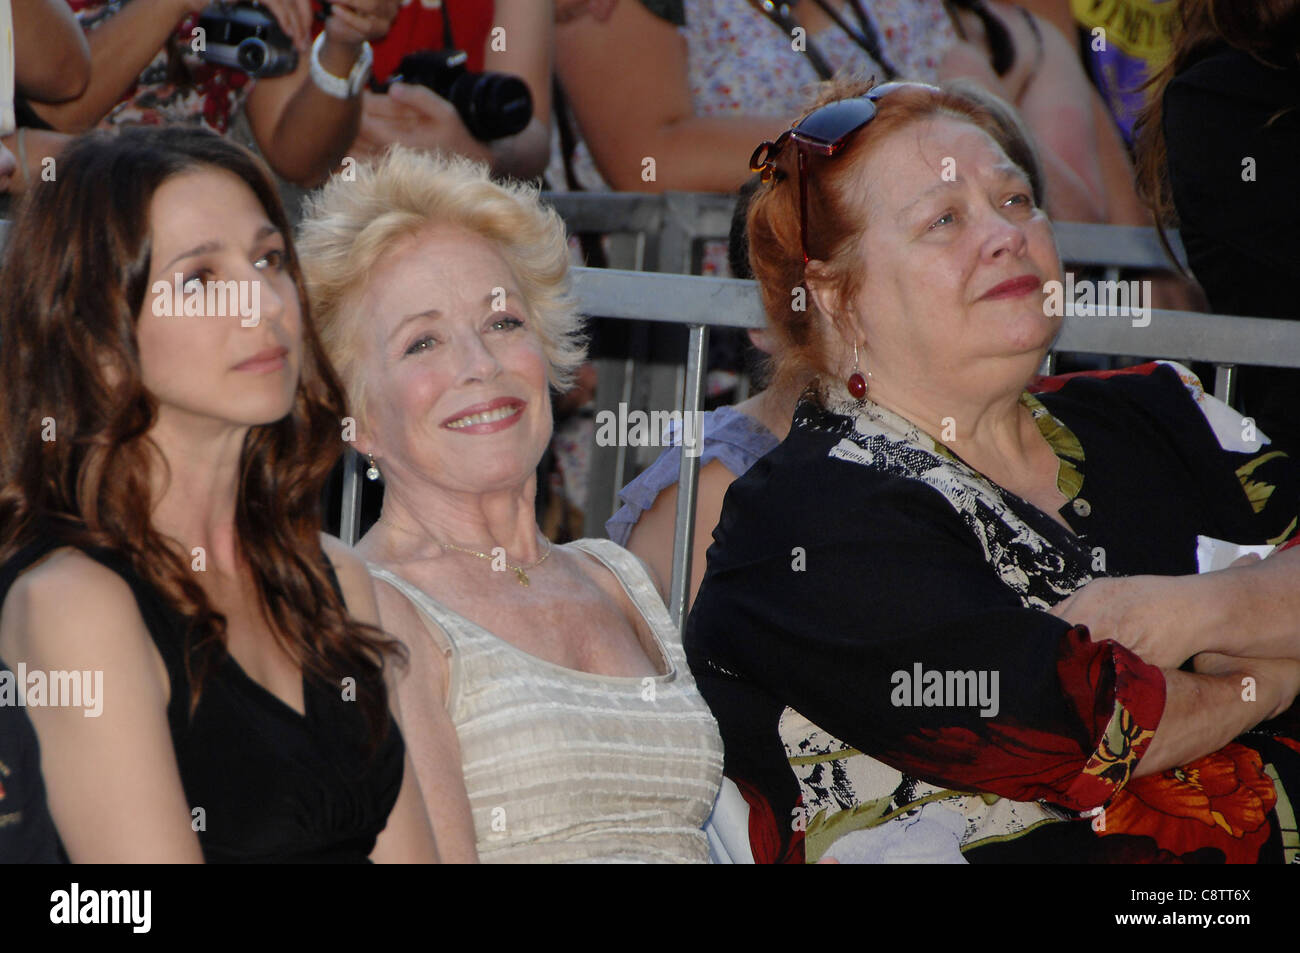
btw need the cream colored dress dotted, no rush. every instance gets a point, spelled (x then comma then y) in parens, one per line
(568, 766)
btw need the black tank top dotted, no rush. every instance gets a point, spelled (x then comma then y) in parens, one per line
(27, 834)
(273, 785)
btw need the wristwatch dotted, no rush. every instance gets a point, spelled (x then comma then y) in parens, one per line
(336, 86)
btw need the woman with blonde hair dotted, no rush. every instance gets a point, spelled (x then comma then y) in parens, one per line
(549, 707)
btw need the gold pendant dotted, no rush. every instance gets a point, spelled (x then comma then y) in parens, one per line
(523, 577)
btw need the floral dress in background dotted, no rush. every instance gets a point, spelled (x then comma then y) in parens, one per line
(177, 87)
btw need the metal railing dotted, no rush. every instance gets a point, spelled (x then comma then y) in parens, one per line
(667, 233)
(669, 230)
(700, 303)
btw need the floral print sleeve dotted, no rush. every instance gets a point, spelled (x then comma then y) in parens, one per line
(865, 586)
(878, 651)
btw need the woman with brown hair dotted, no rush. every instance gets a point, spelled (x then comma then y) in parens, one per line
(172, 419)
(1216, 146)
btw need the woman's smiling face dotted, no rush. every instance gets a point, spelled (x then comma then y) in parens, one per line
(454, 372)
(954, 257)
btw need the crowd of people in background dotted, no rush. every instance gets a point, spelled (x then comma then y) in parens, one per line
(475, 682)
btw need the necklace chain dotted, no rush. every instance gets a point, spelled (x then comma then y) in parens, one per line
(520, 574)
(518, 570)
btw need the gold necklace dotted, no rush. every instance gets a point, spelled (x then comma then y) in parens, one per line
(518, 570)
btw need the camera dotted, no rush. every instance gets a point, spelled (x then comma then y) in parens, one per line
(248, 38)
(492, 105)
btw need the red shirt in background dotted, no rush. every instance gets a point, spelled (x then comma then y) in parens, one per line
(419, 27)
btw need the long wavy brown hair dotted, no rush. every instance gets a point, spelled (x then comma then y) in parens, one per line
(1266, 30)
(75, 277)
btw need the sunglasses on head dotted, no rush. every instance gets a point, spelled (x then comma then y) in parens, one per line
(824, 131)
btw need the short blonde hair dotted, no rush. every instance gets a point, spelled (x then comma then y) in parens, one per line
(351, 222)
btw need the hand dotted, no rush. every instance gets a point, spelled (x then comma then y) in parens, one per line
(357, 21)
(1277, 681)
(1141, 613)
(294, 17)
(416, 117)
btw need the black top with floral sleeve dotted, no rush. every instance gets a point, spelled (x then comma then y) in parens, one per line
(872, 637)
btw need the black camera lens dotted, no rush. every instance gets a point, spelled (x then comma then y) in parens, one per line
(252, 55)
(492, 105)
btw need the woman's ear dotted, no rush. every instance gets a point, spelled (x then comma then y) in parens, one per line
(358, 438)
(824, 291)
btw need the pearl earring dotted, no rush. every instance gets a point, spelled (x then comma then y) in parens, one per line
(372, 471)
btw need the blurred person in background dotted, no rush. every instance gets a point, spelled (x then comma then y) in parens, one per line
(45, 58)
(512, 37)
(1217, 149)
(1121, 44)
(146, 70)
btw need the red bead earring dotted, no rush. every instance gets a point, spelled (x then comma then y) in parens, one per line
(857, 384)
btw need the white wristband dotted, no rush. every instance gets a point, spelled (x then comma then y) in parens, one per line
(336, 86)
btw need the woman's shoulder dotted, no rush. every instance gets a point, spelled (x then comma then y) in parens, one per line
(73, 612)
(1163, 393)
(68, 581)
(1225, 73)
(351, 574)
(609, 562)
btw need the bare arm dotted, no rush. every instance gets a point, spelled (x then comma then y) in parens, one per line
(114, 788)
(51, 57)
(120, 48)
(1203, 712)
(303, 131)
(529, 53)
(421, 700)
(626, 80)
(407, 837)
(652, 537)
(1248, 611)
(1058, 104)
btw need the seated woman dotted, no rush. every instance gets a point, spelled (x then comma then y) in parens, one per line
(172, 422)
(894, 627)
(550, 711)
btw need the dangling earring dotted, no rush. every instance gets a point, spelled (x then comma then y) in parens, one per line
(372, 471)
(857, 383)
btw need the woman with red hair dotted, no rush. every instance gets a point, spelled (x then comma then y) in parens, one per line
(948, 619)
